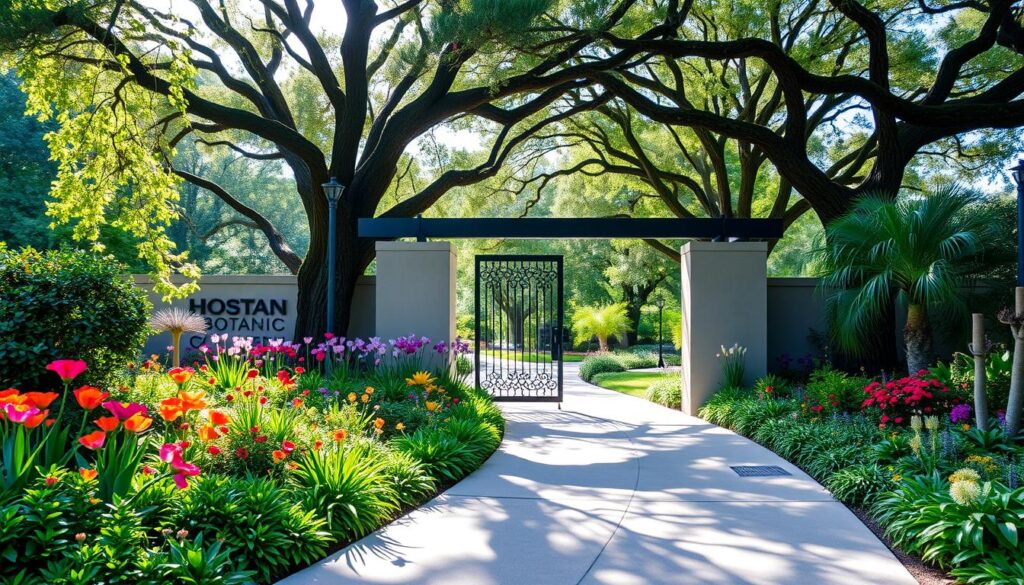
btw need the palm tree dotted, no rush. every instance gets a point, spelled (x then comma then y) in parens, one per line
(601, 322)
(914, 249)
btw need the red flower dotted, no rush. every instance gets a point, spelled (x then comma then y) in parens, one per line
(41, 399)
(93, 440)
(242, 453)
(287, 446)
(213, 450)
(89, 397)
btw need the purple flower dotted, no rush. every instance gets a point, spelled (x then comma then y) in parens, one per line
(960, 413)
(308, 340)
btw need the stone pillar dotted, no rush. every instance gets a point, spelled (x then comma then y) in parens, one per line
(724, 289)
(415, 290)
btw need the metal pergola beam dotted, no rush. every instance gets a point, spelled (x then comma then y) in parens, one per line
(721, 229)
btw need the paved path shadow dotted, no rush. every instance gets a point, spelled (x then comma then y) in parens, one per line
(614, 490)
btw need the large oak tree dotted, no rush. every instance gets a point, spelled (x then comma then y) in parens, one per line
(129, 82)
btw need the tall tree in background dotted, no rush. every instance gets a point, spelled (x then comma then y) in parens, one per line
(25, 171)
(128, 82)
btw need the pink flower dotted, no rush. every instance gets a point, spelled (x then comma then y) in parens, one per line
(287, 446)
(67, 369)
(19, 413)
(124, 411)
(169, 452)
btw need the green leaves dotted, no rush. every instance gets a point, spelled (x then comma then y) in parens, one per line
(912, 246)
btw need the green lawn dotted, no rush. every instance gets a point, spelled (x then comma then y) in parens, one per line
(632, 383)
(543, 358)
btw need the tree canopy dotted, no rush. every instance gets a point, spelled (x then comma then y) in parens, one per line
(717, 108)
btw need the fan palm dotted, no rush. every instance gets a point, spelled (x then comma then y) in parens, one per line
(601, 322)
(915, 249)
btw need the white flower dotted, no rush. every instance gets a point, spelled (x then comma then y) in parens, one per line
(965, 493)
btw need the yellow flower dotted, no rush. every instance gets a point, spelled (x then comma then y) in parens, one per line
(400, 427)
(94, 501)
(966, 427)
(431, 406)
(351, 396)
(378, 423)
(419, 379)
(365, 398)
(897, 477)
(369, 390)
(965, 474)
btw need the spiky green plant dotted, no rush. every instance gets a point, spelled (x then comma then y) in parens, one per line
(914, 248)
(600, 321)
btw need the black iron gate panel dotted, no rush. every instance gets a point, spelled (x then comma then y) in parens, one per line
(519, 327)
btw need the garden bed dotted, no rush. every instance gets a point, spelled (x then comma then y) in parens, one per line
(904, 453)
(248, 465)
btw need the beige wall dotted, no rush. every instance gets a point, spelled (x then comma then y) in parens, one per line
(724, 301)
(415, 290)
(261, 306)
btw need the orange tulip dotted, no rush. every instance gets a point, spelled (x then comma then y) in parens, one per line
(36, 420)
(108, 423)
(170, 409)
(180, 375)
(88, 474)
(138, 422)
(219, 418)
(12, 396)
(93, 440)
(89, 397)
(41, 399)
(192, 400)
(208, 433)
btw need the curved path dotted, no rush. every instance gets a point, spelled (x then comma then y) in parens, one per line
(615, 490)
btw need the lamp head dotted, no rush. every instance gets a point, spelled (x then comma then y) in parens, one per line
(659, 301)
(333, 190)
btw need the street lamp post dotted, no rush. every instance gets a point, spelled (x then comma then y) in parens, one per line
(1018, 177)
(659, 301)
(333, 190)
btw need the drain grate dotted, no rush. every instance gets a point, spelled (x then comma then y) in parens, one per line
(758, 470)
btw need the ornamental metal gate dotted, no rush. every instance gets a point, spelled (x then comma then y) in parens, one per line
(519, 327)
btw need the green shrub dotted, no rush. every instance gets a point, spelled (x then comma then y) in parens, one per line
(479, 437)
(772, 386)
(922, 518)
(858, 484)
(67, 305)
(599, 364)
(719, 408)
(959, 376)
(444, 457)
(269, 529)
(410, 414)
(346, 487)
(408, 478)
(835, 391)
(667, 392)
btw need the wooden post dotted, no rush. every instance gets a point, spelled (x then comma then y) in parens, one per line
(978, 350)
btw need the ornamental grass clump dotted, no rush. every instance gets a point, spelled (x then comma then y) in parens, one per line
(734, 365)
(177, 321)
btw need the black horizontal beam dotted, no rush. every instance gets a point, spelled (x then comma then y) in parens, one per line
(569, 228)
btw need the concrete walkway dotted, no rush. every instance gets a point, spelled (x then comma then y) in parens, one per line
(615, 490)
